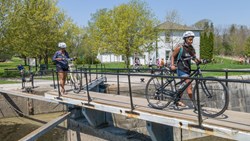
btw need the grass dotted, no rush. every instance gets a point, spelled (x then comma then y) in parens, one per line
(219, 64)
(8, 82)
(13, 63)
(222, 64)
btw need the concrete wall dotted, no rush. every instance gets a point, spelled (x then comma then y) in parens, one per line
(9, 105)
(239, 94)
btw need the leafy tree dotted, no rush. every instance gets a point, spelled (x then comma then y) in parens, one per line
(210, 45)
(228, 50)
(247, 47)
(73, 36)
(6, 8)
(36, 28)
(125, 30)
(206, 39)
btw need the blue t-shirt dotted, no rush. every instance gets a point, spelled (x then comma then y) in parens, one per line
(20, 67)
(63, 63)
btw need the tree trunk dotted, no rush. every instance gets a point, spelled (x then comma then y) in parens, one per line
(46, 62)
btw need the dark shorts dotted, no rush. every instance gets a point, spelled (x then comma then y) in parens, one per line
(182, 73)
(60, 69)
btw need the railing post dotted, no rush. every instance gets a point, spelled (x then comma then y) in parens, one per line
(58, 85)
(96, 76)
(87, 86)
(81, 78)
(130, 92)
(104, 69)
(118, 83)
(101, 69)
(198, 103)
(226, 76)
(89, 73)
(53, 75)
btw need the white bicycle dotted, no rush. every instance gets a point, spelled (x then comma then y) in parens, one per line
(75, 76)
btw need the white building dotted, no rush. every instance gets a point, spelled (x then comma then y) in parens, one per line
(169, 36)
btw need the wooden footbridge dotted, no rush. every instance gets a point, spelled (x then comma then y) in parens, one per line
(232, 124)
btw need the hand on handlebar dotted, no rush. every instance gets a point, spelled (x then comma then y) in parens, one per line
(198, 62)
(173, 67)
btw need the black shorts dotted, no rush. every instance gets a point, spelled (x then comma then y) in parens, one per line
(60, 69)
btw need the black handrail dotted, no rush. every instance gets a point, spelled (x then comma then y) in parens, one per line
(127, 72)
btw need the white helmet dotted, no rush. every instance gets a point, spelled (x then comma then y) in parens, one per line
(62, 45)
(188, 34)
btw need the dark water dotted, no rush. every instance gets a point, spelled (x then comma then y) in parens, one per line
(15, 128)
(14, 131)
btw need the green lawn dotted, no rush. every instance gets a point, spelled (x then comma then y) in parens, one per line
(220, 64)
(13, 63)
(223, 64)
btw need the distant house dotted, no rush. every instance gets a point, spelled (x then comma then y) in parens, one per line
(170, 34)
(109, 57)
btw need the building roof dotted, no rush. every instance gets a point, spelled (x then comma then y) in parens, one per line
(175, 26)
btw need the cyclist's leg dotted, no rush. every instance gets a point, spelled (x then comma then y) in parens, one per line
(62, 78)
(61, 82)
(189, 88)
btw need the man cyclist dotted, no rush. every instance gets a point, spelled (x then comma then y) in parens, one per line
(184, 66)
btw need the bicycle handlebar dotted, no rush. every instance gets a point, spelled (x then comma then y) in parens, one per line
(70, 59)
(198, 62)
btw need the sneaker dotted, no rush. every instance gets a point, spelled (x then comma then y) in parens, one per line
(180, 104)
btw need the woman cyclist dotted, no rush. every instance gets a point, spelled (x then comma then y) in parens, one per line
(60, 58)
(184, 66)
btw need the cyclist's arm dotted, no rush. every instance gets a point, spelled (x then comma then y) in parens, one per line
(55, 58)
(175, 53)
(196, 60)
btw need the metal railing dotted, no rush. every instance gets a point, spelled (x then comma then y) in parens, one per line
(87, 71)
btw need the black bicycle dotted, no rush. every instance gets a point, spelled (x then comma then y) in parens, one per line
(213, 94)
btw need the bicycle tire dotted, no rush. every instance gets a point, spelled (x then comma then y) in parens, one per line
(77, 82)
(214, 97)
(159, 96)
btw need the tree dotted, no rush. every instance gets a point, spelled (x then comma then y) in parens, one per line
(125, 30)
(6, 8)
(247, 47)
(173, 19)
(207, 38)
(36, 28)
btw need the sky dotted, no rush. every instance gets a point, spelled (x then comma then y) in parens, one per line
(220, 12)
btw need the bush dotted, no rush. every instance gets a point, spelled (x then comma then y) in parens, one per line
(13, 73)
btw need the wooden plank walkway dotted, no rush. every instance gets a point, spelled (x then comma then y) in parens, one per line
(231, 124)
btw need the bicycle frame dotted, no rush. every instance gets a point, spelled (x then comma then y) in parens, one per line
(194, 74)
(180, 91)
(75, 79)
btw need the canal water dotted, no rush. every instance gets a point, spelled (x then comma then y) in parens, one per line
(13, 129)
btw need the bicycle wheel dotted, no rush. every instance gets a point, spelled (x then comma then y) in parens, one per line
(214, 97)
(159, 92)
(77, 82)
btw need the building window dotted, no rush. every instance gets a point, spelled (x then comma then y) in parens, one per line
(167, 36)
(167, 55)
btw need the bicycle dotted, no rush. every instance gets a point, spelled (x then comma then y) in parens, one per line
(75, 76)
(27, 77)
(214, 97)
(137, 67)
